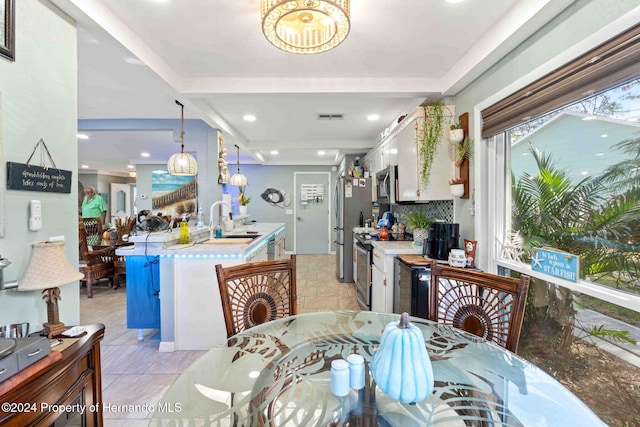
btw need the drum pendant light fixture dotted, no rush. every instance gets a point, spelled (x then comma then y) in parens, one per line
(238, 179)
(182, 164)
(305, 26)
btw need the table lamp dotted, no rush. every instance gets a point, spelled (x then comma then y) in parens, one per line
(48, 269)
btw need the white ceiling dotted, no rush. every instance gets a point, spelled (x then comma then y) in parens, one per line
(136, 57)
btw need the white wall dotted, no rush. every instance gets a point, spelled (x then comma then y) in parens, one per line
(39, 100)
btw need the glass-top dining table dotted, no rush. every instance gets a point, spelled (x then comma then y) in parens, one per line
(278, 374)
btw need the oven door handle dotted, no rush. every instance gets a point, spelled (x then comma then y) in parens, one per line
(362, 250)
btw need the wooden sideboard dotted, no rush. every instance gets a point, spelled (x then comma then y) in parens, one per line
(54, 390)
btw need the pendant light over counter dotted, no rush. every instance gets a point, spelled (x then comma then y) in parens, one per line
(238, 179)
(182, 164)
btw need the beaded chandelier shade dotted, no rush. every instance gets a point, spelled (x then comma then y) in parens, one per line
(305, 26)
(182, 164)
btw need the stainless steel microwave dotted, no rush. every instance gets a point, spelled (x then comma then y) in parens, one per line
(386, 185)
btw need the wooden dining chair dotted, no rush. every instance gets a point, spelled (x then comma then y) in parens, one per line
(484, 304)
(97, 262)
(256, 293)
(93, 229)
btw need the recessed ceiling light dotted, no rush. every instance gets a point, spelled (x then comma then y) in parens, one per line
(82, 136)
(274, 152)
(599, 154)
(584, 173)
(589, 118)
(525, 154)
(321, 153)
(130, 166)
(145, 154)
(604, 135)
(249, 118)
(84, 167)
(373, 117)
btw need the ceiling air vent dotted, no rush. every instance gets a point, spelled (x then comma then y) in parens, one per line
(330, 116)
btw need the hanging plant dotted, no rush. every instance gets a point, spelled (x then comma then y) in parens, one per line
(463, 151)
(428, 135)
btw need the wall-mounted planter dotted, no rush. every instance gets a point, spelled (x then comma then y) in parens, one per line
(456, 135)
(456, 190)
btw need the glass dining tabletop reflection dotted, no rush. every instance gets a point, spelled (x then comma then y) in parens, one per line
(278, 374)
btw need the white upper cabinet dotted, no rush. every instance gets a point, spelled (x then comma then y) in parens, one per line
(409, 166)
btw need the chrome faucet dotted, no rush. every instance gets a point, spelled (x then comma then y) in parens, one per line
(211, 224)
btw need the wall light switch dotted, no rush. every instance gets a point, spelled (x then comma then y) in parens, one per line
(288, 212)
(35, 215)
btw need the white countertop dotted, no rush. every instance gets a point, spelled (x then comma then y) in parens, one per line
(394, 247)
(365, 230)
(167, 244)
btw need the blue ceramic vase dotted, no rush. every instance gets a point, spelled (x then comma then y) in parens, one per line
(401, 366)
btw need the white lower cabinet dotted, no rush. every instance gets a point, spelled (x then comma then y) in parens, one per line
(259, 255)
(382, 282)
(281, 243)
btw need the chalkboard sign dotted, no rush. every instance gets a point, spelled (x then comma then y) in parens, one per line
(26, 177)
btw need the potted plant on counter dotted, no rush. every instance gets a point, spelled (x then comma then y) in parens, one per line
(418, 221)
(456, 187)
(243, 200)
(456, 134)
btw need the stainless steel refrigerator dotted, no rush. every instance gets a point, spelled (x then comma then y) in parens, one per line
(352, 196)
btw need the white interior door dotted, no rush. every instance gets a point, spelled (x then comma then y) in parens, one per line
(312, 210)
(120, 201)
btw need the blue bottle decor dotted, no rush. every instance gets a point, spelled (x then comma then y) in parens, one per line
(401, 366)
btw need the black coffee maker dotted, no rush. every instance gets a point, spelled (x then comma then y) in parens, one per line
(441, 238)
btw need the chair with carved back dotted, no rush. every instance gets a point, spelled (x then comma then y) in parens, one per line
(93, 229)
(99, 263)
(487, 305)
(256, 293)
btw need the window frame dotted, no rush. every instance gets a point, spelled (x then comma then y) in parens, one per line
(494, 189)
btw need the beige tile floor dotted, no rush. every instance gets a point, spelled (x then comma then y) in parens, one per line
(135, 373)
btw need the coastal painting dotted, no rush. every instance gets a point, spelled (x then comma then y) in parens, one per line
(173, 196)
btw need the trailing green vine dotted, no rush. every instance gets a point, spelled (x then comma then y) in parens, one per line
(428, 135)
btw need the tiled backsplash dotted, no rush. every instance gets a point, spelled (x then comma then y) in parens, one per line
(438, 209)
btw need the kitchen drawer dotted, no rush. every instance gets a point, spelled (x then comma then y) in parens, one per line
(8, 366)
(378, 260)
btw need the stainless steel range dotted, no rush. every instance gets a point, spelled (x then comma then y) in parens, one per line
(364, 260)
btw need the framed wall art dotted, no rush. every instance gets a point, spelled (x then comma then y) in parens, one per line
(7, 29)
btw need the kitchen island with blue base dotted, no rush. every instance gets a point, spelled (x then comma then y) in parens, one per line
(174, 286)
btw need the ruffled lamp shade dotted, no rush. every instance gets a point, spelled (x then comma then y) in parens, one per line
(48, 269)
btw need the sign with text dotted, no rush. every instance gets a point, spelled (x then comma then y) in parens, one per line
(556, 263)
(26, 177)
